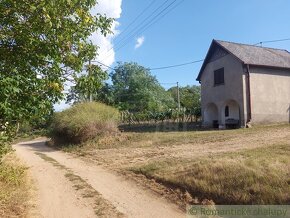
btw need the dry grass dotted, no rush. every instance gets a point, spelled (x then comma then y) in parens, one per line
(241, 166)
(174, 138)
(256, 176)
(83, 122)
(15, 188)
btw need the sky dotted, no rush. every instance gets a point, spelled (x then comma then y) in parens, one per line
(184, 31)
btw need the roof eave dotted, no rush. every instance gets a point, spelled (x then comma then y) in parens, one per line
(205, 60)
(206, 57)
(267, 66)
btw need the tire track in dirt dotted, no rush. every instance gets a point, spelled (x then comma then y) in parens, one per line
(58, 198)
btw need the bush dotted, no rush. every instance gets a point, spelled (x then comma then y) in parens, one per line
(7, 133)
(82, 122)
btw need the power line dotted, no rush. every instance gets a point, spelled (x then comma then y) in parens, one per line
(103, 64)
(143, 21)
(143, 28)
(157, 68)
(270, 41)
(151, 22)
(191, 62)
(176, 65)
(137, 18)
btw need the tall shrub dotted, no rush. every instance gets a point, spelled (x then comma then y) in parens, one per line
(84, 121)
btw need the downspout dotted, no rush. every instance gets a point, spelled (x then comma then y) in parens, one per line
(249, 118)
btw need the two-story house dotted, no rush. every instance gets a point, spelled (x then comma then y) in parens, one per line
(244, 83)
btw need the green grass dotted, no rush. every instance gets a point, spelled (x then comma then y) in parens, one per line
(256, 176)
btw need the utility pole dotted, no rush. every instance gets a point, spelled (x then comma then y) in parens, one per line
(90, 92)
(178, 97)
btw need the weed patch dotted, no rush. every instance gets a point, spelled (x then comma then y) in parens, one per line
(83, 122)
(14, 192)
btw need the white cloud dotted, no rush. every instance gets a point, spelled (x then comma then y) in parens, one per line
(112, 9)
(139, 42)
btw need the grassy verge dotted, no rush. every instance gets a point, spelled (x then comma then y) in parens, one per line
(14, 191)
(175, 138)
(240, 166)
(256, 176)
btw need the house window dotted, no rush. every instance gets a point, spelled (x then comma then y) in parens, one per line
(219, 77)
(227, 111)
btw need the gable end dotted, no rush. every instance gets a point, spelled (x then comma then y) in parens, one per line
(215, 52)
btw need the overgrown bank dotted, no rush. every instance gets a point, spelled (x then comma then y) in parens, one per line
(83, 122)
(15, 188)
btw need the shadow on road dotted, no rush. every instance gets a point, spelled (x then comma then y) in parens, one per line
(37, 146)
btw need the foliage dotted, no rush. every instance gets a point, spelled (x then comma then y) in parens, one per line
(149, 116)
(87, 86)
(6, 134)
(189, 99)
(41, 43)
(84, 121)
(190, 114)
(106, 95)
(135, 89)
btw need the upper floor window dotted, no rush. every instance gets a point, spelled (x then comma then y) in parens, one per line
(219, 77)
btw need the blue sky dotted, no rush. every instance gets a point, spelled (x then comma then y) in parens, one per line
(185, 33)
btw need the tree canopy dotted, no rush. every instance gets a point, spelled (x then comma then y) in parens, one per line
(88, 85)
(41, 43)
(189, 98)
(136, 90)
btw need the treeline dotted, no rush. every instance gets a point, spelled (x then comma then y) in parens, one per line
(138, 95)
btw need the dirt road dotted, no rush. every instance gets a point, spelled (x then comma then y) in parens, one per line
(69, 187)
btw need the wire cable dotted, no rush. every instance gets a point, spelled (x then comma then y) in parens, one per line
(157, 68)
(141, 29)
(144, 20)
(191, 62)
(176, 65)
(270, 41)
(134, 21)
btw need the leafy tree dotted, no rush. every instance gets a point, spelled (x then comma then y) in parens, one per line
(41, 43)
(136, 90)
(87, 85)
(106, 95)
(189, 98)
